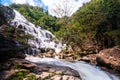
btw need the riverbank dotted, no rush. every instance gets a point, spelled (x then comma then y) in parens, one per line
(35, 68)
(107, 59)
(21, 69)
(85, 70)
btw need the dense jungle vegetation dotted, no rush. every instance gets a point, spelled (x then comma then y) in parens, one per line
(95, 26)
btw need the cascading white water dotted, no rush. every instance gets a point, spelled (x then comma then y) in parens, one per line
(86, 71)
(42, 38)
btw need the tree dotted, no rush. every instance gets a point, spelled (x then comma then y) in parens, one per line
(63, 8)
(96, 24)
(37, 16)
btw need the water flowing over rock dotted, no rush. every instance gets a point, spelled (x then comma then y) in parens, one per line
(36, 71)
(86, 71)
(42, 38)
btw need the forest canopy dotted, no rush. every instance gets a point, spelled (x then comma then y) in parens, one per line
(96, 24)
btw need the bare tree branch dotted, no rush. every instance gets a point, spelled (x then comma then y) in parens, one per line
(63, 8)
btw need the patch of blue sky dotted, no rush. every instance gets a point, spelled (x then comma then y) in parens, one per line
(5, 2)
(45, 7)
(41, 4)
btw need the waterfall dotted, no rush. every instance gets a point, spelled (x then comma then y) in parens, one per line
(42, 38)
(86, 71)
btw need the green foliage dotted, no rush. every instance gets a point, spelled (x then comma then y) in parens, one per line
(17, 66)
(23, 38)
(115, 35)
(115, 32)
(31, 77)
(15, 34)
(38, 16)
(10, 29)
(95, 24)
(19, 75)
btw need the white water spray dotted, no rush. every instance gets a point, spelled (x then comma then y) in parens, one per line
(42, 38)
(86, 71)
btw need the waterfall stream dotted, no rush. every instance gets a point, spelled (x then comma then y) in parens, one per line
(86, 71)
(43, 39)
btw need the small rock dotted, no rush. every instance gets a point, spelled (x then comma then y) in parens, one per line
(65, 77)
(59, 72)
(56, 77)
(45, 75)
(51, 70)
(73, 78)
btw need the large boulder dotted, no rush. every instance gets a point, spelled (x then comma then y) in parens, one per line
(109, 58)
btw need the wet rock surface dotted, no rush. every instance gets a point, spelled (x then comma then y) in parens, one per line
(69, 56)
(24, 70)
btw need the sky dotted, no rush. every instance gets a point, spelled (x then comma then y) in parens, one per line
(50, 5)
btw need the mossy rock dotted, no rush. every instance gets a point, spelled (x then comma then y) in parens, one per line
(19, 75)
